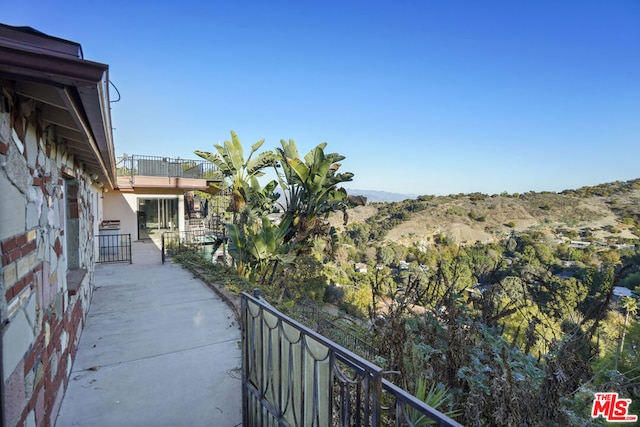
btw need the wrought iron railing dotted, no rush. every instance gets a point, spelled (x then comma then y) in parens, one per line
(213, 222)
(166, 167)
(114, 248)
(293, 376)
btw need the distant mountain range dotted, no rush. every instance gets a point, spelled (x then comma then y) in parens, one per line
(380, 196)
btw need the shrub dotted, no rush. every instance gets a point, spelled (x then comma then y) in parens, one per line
(443, 240)
(611, 229)
(474, 216)
(357, 301)
(334, 294)
(476, 197)
(455, 210)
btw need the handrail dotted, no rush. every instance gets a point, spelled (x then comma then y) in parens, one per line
(292, 375)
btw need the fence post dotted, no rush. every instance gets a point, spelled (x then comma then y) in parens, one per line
(132, 174)
(130, 250)
(245, 359)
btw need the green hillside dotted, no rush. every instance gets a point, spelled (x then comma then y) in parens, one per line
(608, 213)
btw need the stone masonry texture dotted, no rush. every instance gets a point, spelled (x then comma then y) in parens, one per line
(40, 320)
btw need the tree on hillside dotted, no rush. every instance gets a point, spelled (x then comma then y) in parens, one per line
(385, 255)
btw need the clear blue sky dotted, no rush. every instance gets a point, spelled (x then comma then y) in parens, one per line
(422, 97)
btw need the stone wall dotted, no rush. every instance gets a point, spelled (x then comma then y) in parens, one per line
(47, 252)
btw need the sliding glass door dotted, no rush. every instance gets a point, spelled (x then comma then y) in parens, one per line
(156, 215)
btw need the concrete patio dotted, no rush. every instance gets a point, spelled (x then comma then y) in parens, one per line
(158, 348)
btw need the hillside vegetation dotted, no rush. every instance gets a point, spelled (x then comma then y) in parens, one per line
(607, 213)
(514, 308)
(512, 301)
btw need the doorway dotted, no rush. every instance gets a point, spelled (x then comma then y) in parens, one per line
(156, 215)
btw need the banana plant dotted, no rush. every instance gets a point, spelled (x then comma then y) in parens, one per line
(311, 191)
(262, 199)
(248, 200)
(259, 245)
(230, 160)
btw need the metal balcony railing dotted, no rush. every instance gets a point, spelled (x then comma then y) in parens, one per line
(165, 167)
(292, 376)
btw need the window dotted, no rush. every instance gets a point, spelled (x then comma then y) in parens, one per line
(72, 224)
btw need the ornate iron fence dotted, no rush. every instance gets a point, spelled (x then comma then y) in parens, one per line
(292, 376)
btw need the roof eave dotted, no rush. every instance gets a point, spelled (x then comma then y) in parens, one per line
(90, 109)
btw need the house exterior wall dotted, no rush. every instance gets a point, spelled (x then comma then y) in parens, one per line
(42, 312)
(117, 207)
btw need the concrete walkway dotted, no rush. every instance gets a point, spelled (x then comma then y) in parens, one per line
(159, 348)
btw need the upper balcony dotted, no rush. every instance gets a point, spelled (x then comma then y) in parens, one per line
(156, 172)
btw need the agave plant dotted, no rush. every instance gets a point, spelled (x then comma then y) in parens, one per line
(436, 396)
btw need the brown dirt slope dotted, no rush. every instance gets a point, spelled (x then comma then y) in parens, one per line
(478, 217)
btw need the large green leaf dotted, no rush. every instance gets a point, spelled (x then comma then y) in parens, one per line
(289, 149)
(233, 149)
(255, 147)
(299, 169)
(264, 160)
(237, 247)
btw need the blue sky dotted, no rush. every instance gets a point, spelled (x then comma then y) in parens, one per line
(422, 97)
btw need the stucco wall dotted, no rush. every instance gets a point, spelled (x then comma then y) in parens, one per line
(117, 206)
(41, 312)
